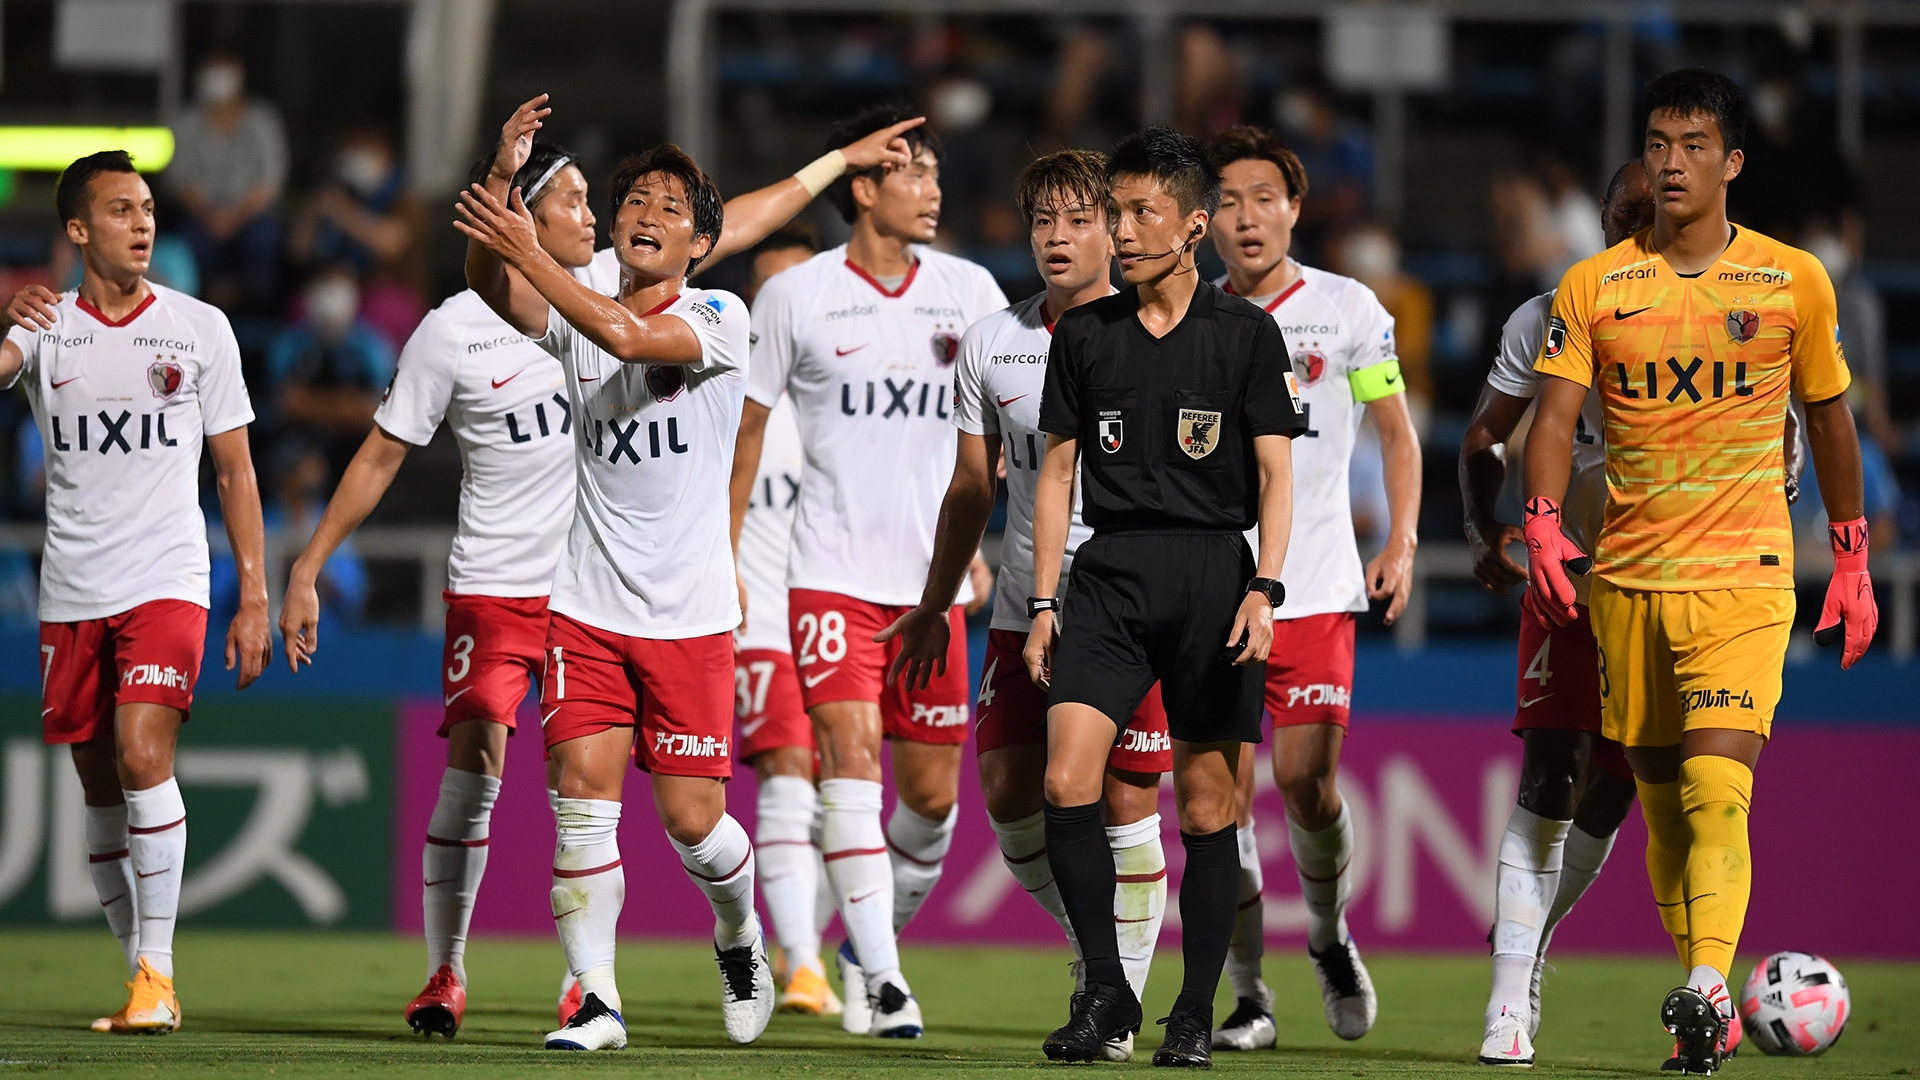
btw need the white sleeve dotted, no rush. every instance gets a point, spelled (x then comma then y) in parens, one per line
(223, 389)
(28, 342)
(971, 412)
(422, 387)
(771, 341)
(1520, 342)
(1373, 341)
(719, 320)
(558, 341)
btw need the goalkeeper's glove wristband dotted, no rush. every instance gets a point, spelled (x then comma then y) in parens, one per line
(1850, 611)
(1550, 555)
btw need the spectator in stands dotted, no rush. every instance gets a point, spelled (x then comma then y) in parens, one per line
(1338, 154)
(228, 170)
(1209, 84)
(326, 372)
(365, 216)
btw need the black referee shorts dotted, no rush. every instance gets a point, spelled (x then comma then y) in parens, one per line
(1143, 606)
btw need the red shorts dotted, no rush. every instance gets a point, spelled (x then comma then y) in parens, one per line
(1310, 670)
(1013, 712)
(677, 694)
(766, 702)
(834, 651)
(494, 645)
(1559, 684)
(149, 654)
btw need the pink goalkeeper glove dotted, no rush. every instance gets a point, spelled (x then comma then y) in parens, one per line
(1849, 594)
(1549, 556)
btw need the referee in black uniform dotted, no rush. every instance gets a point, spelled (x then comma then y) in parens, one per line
(1183, 397)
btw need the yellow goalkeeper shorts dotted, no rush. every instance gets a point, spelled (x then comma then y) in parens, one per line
(1670, 661)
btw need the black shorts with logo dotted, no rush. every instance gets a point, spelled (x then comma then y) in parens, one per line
(1146, 606)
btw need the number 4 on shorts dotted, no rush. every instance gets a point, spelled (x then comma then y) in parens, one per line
(1539, 669)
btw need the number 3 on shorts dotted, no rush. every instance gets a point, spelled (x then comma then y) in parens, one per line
(463, 652)
(831, 630)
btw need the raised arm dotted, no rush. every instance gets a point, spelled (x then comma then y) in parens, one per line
(367, 478)
(1483, 472)
(1052, 517)
(751, 217)
(249, 641)
(956, 543)
(1390, 573)
(505, 292)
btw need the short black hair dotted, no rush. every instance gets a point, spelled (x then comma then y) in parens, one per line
(709, 209)
(539, 160)
(794, 235)
(1690, 91)
(1176, 160)
(859, 126)
(1244, 142)
(70, 195)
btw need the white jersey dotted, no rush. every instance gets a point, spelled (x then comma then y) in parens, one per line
(1002, 371)
(124, 409)
(506, 402)
(1586, 502)
(649, 553)
(870, 371)
(1335, 328)
(602, 275)
(766, 535)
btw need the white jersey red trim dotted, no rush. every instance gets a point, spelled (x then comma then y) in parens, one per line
(124, 408)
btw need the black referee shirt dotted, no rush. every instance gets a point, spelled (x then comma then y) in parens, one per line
(1166, 425)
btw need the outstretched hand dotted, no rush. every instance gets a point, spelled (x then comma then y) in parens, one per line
(516, 137)
(924, 635)
(506, 230)
(885, 147)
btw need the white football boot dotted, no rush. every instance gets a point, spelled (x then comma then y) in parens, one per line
(1249, 1028)
(896, 1015)
(856, 1016)
(747, 993)
(1507, 1041)
(1346, 989)
(593, 1027)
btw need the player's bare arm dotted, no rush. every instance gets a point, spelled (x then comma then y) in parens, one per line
(361, 487)
(751, 217)
(964, 511)
(1549, 466)
(32, 308)
(249, 640)
(1253, 623)
(10, 360)
(1483, 470)
(508, 295)
(1052, 517)
(747, 445)
(1390, 573)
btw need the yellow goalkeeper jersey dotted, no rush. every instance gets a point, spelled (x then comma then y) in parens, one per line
(1693, 375)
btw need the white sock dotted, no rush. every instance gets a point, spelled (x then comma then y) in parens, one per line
(855, 851)
(1139, 896)
(1713, 983)
(788, 868)
(1023, 847)
(589, 888)
(1529, 874)
(1322, 858)
(452, 861)
(917, 847)
(825, 902)
(1249, 943)
(112, 873)
(1579, 867)
(157, 850)
(721, 866)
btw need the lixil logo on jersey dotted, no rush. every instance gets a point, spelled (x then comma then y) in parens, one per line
(540, 421)
(908, 399)
(112, 432)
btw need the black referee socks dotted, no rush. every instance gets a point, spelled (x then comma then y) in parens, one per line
(1209, 900)
(1083, 870)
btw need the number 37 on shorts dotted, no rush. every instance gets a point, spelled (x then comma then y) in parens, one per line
(838, 660)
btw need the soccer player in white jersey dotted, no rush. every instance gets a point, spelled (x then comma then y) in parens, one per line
(863, 338)
(505, 400)
(639, 645)
(128, 380)
(1342, 346)
(776, 737)
(1002, 370)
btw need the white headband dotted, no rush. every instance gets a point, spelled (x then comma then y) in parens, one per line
(546, 176)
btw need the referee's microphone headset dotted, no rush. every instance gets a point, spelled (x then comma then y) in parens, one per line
(1191, 237)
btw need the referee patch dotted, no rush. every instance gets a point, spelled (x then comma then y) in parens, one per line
(1199, 431)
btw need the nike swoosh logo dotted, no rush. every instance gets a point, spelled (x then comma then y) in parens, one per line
(115, 900)
(564, 914)
(843, 352)
(1391, 379)
(498, 383)
(1622, 315)
(457, 693)
(48, 709)
(1009, 401)
(815, 680)
(442, 881)
(549, 716)
(584, 378)
(58, 383)
(1527, 703)
(747, 730)
(155, 873)
(863, 896)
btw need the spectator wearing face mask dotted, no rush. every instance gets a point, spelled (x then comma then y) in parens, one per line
(364, 216)
(228, 170)
(327, 371)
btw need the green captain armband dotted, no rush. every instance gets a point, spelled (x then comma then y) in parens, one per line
(1376, 382)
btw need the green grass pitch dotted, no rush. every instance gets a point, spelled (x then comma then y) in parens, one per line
(328, 1005)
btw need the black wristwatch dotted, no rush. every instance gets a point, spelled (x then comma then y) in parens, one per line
(1271, 588)
(1038, 604)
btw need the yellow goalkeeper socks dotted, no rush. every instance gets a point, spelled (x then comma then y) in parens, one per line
(1668, 839)
(1715, 794)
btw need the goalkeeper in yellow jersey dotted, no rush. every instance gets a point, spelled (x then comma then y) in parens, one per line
(1695, 331)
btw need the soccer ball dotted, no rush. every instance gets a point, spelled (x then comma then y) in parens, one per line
(1794, 1004)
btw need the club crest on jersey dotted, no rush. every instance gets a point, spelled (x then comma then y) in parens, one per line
(665, 381)
(1556, 337)
(946, 347)
(1311, 365)
(165, 378)
(1198, 431)
(1742, 326)
(1111, 435)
